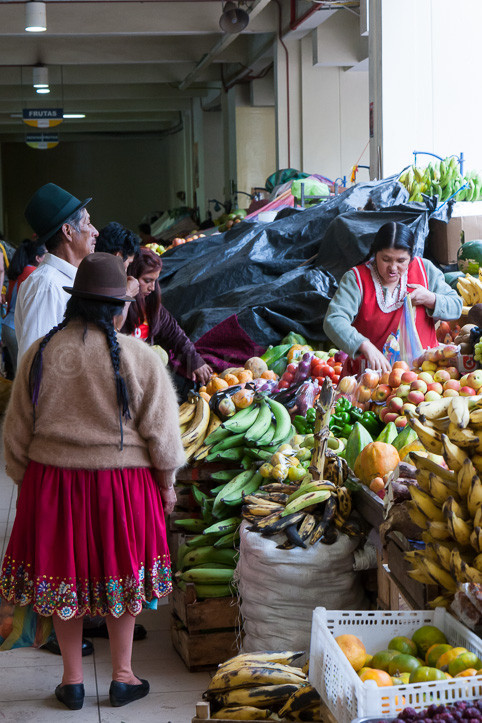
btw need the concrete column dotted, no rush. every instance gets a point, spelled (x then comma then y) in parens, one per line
(423, 66)
(198, 157)
(228, 105)
(287, 79)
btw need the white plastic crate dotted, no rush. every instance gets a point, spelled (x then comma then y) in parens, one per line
(347, 696)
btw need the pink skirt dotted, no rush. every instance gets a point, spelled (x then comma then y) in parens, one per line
(87, 542)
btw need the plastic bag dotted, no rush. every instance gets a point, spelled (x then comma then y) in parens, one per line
(404, 344)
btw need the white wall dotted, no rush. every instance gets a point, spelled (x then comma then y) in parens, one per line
(334, 118)
(213, 160)
(429, 85)
(256, 148)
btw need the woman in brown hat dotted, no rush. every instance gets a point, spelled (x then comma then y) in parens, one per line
(92, 440)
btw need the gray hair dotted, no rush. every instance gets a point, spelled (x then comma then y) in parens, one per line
(73, 220)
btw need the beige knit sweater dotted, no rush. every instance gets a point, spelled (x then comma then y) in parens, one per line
(77, 416)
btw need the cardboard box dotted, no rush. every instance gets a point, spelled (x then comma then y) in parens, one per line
(466, 363)
(444, 239)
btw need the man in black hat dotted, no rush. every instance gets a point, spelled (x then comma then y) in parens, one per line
(62, 222)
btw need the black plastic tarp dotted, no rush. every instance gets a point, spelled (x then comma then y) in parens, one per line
(281, 276)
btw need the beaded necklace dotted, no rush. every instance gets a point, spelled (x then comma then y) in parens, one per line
(393, 299)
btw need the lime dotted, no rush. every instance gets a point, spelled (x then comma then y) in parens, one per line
(381, 660)
(403, 645)
(426, 636)
(434, 653)
(424, 673)
(403, 663)
(462, 662)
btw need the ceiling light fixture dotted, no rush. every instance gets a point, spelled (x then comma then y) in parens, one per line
(40, 76)
(74, 115)
(35, 17)
(43, 90)
(234, 19)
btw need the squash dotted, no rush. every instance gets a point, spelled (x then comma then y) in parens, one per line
(375, 460)
(256, 366)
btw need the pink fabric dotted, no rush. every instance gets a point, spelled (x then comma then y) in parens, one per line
(227, 345)
(87, 541)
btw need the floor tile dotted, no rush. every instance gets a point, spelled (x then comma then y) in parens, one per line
(48, 709)
(4, 513)
(38, 682)
(172, 707)
(164, 675)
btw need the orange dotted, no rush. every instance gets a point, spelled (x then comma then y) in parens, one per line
(245, 376)
(354, 650)
(463, 662)
(424, 674)
(426, 636)
(216, 384)
(403, 663)
(269, 374)
(243, 398)
(466, 673)
(381, 660)
(434, 653)
(446, 658)
(380, 677)
(231, 379)
(205, 396)
(402, 643)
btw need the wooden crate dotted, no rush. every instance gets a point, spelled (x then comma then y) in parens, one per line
(204, 632)
(415, 593)
(203, 715)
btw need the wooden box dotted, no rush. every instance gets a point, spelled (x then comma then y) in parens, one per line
(369, 506)
(203, 715)
(415, 593)
(204, 632)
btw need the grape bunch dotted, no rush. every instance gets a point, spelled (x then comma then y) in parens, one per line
(469, 711)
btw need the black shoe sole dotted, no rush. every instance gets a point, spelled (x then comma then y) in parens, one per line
(122, 694)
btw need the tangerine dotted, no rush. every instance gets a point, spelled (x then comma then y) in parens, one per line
(354, 650)
(245, 376)
(446, 658)
(424, 673)
(402, 643)
(381, 660)
(426, 636)
(466, 673)
(403, 663)
(216, 384)
(463, 662)
(231, 379)
(380, 677)
(434, 653)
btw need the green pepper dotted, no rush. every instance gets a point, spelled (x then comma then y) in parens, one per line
(343, 404)
(311, 414)
(346, 430)
(370, 423)
(300, 425)
(344, 417)
(336, 429)
(356, 415)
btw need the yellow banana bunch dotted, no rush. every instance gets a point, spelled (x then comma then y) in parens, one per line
(194, 434)
(470, 289)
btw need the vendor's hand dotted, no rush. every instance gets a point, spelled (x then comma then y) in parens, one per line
(132, 286)
(169, 499)
(374, 357)
(421, 296)
(202, 374)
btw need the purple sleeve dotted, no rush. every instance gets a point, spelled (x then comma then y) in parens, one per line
(173, 339)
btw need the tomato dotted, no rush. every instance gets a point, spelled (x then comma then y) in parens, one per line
(320, 380)
(338, 368)
(291, 368)
(335, 379)
(331, 361)
(330, 372)
(287, 377)
(283, 384)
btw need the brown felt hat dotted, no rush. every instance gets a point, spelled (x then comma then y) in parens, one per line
(100, 277)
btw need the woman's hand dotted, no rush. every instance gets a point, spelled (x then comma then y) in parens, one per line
(420, 296)
(374, 357)
(132, 287)
(169, 499)
(202, 374)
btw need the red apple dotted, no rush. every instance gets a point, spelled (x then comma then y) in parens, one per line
(454, 372)
(467, 391)
(395, 378)
(384, 378)
(408, 377)
(363, 393)
(381, 393)
(432, 395)
(426, 377)
(441, 375)
(401, 365)
(452, 384)
(384, 411)
(370, 378)
(390, 417)
(474, 379)
(450, 393)
(408, 407)
(418, 386)
(401, 422)
(396, 404)
(435, 387)
(416, 397)
(402, 390)
(450, 351)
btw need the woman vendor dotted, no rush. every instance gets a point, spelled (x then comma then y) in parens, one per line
(367, 306)
(148, 319)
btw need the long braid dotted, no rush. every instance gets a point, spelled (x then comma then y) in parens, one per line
(35, 375)
(121, 388)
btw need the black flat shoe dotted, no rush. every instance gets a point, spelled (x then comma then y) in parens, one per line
(71, 696)
(53, 647)
(123, 693)
(100, 631)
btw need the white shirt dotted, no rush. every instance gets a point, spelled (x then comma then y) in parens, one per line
(41, 300)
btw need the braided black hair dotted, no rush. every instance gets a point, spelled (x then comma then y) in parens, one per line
(101, 314)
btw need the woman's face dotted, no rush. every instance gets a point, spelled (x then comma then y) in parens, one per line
(391, 265)
(147, 282)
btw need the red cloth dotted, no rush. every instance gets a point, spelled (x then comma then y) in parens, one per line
(227, 345)
(376, 325)
(141, 331)
(87, 542)
(11, 285)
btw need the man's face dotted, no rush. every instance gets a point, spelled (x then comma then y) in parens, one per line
(83, 240)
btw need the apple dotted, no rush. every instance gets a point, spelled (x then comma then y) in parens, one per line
(408, 377)
(475, 379)
(389, 399)
(403, 390)
(416, 397)
(450, 351)
(442, 363)
(441, 375)
(370, 378)
(390, 417)
(384, 378)
(432, 395)
(401, 365)
(395, 378)
(426, 377)
(384, 411)
(434, 355)
(363, 393)
(428, 366)
(418, 386)
(435, 387)
(464, 380)
(381, 393)
(452, 384)
(401, 422)
(450, 393)
(408, 407)
(454, 372)
(467, 391)
(396, 404)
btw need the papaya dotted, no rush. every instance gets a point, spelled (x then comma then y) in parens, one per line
(406, 436)
(273, 353)
(388, 433)
(294, 338)
(279, 366)
(356, 442)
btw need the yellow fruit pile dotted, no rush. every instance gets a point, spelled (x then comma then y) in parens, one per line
(426, 656)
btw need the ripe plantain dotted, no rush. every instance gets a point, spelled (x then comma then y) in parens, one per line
(465, 476)
(425, 504)
(453, 455)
